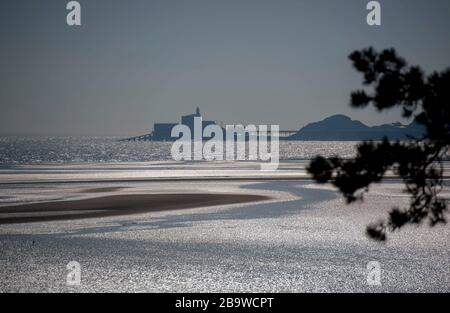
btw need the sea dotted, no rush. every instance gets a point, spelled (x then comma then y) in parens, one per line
(15, 150)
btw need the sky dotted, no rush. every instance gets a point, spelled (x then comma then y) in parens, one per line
(132, 63)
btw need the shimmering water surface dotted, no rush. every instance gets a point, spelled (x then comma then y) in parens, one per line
(35, 150)
(304, 239)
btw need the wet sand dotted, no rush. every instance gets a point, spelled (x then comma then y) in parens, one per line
(116, 205)
(304, 239)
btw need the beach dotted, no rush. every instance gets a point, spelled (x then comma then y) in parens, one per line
(279, 233)
(241, 148)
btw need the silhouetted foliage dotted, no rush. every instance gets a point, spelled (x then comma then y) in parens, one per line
(418, 162)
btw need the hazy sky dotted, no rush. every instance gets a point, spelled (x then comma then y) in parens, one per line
(133, 63)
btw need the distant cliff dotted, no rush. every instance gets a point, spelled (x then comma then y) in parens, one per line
(343, 128)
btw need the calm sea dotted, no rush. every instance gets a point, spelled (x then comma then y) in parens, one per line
(35, 150)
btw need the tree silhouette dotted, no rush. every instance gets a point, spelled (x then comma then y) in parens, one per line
(417, 161)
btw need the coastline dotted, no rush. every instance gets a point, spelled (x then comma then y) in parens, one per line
(159, 171)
